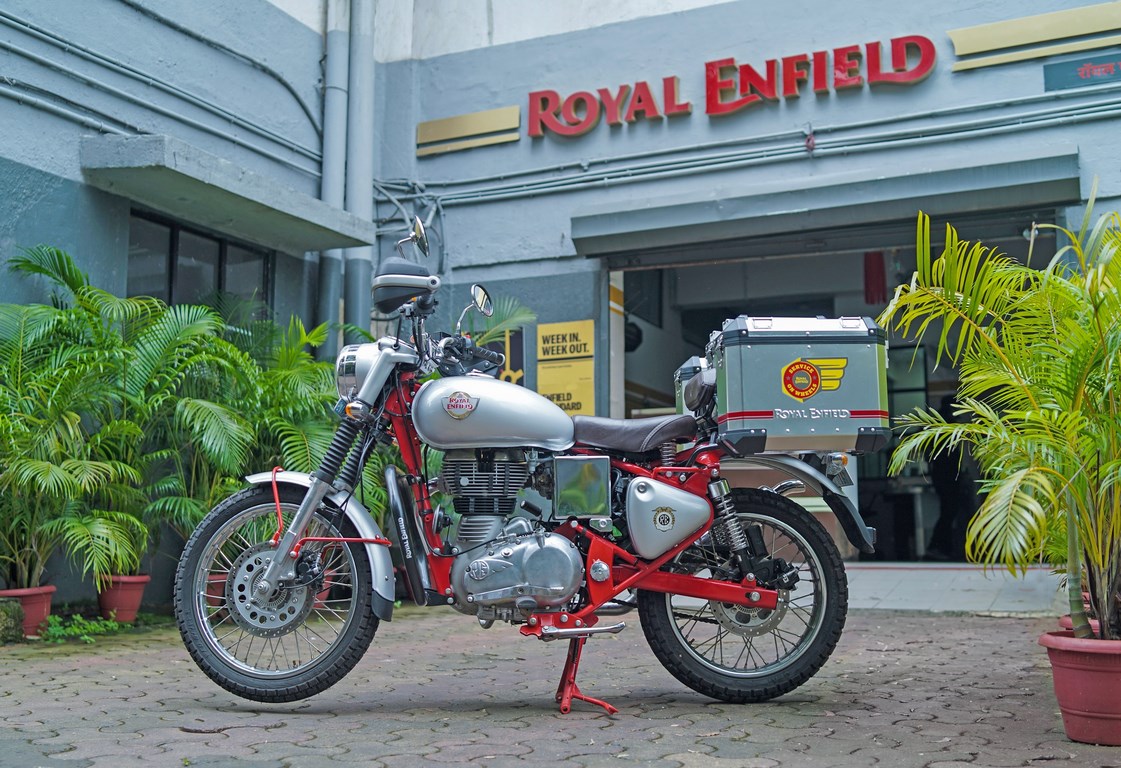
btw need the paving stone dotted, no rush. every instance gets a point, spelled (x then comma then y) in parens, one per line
(902, 689)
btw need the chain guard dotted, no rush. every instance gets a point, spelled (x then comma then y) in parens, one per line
(284, 610)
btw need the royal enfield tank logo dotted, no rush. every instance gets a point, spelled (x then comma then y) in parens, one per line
(802, 379)
(664, 518)
(460, 405)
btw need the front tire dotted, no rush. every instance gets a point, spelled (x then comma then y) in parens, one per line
(738, 654)
(305, 638)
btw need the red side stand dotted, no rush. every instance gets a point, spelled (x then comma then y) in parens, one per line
(567, 690)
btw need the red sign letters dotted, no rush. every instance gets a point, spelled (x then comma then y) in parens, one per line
(730, 87)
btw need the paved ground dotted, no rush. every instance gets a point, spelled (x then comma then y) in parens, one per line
(904, 688)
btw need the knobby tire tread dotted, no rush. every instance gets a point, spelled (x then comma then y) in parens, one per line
(318, 678)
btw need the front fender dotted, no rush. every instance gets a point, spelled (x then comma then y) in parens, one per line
(861, 536)
(381, 564)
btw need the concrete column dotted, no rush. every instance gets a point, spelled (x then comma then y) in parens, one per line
(333, 187)
(358, 262)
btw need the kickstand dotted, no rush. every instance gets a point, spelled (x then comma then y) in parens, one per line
(567, 690)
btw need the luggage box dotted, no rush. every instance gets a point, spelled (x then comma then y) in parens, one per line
(801, 384)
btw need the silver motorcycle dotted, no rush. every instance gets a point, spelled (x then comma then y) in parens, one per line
(556, 525)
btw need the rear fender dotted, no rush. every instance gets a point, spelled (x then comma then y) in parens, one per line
(381, 564)
(861, 536)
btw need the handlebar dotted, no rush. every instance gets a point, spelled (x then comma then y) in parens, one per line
(459, 353)
(489, 356)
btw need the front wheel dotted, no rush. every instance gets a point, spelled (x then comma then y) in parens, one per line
(306, 636)
(740, 654)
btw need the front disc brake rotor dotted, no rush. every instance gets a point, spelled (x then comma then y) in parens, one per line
(283, 610)
(746, 621)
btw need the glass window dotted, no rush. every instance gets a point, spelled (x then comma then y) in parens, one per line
(185, 266)
(196, 269)
(244, 273)
(149, 253)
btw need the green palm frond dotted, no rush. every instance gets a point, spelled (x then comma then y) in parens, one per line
(52, 263)
(100, 541)
(509, 315)
(221, 434)
(1039, 360)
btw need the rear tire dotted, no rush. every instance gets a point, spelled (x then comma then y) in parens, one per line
(305, 638)
(738, 654)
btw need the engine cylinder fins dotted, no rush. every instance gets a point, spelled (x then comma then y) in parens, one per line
(502, 473)
(485, 505)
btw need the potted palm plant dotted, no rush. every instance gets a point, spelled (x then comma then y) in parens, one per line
(158, 372)
(1039, 404)
(49, 462)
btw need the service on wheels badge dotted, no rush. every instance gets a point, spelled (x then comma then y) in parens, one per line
(801, 380)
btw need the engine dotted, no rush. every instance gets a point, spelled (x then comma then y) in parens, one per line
(521, 571)
(507, 566)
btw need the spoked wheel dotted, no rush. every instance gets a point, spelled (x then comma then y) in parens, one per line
(305, 636)
(740, 654)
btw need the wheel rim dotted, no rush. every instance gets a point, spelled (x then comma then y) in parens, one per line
(298, 626)
(745, 642)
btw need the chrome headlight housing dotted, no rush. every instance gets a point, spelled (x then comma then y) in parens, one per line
(352, 366)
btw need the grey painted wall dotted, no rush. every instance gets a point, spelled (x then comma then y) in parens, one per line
(237, 81)
(39, 208)
(527, 237)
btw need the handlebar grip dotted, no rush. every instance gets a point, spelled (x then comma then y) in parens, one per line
(491, 357)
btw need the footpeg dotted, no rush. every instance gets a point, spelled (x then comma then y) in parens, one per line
(566, 633)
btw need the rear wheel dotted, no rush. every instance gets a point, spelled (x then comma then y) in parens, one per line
(306, 636)
(740, 654)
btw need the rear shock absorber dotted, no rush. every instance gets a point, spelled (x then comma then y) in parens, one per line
(726, 527)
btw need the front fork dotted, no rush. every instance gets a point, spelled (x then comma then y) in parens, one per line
(282, 567)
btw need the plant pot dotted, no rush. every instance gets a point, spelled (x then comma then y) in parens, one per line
(324, 594)
(1087, 676)
(121, 599)
(36, 602)
(1065, 622)
(216, 590)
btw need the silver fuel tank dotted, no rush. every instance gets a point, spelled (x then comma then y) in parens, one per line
(481, 412)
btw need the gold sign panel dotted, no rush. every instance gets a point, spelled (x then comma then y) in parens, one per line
(475, 129)
(1034, 37)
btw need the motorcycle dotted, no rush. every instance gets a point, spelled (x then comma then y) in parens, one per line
(558, 524)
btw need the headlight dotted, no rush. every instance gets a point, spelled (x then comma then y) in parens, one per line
(352, 366)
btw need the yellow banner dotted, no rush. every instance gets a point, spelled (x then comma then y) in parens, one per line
(566, 365)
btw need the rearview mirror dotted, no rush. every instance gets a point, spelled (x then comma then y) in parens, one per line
(416, 237)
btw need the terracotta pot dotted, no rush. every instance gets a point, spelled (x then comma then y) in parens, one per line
(322, 595)
(1087, 676)
(216, 590)
(1065, 622)
(36, 602)
(121, 599)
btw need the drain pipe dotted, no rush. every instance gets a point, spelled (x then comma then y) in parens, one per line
(358, 262)
(332, 189)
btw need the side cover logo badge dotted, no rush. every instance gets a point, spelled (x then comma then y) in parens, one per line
(802, 379)
(664, 518)
(460, 405)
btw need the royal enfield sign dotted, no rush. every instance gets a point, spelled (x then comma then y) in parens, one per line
(731, 86)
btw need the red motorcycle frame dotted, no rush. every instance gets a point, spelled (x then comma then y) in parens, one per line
(626, 570)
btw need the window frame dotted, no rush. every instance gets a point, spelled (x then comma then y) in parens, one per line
(177, 228)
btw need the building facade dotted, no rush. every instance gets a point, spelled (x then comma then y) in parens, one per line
(633, 172)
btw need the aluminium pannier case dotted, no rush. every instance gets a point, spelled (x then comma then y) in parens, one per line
(801, 384)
